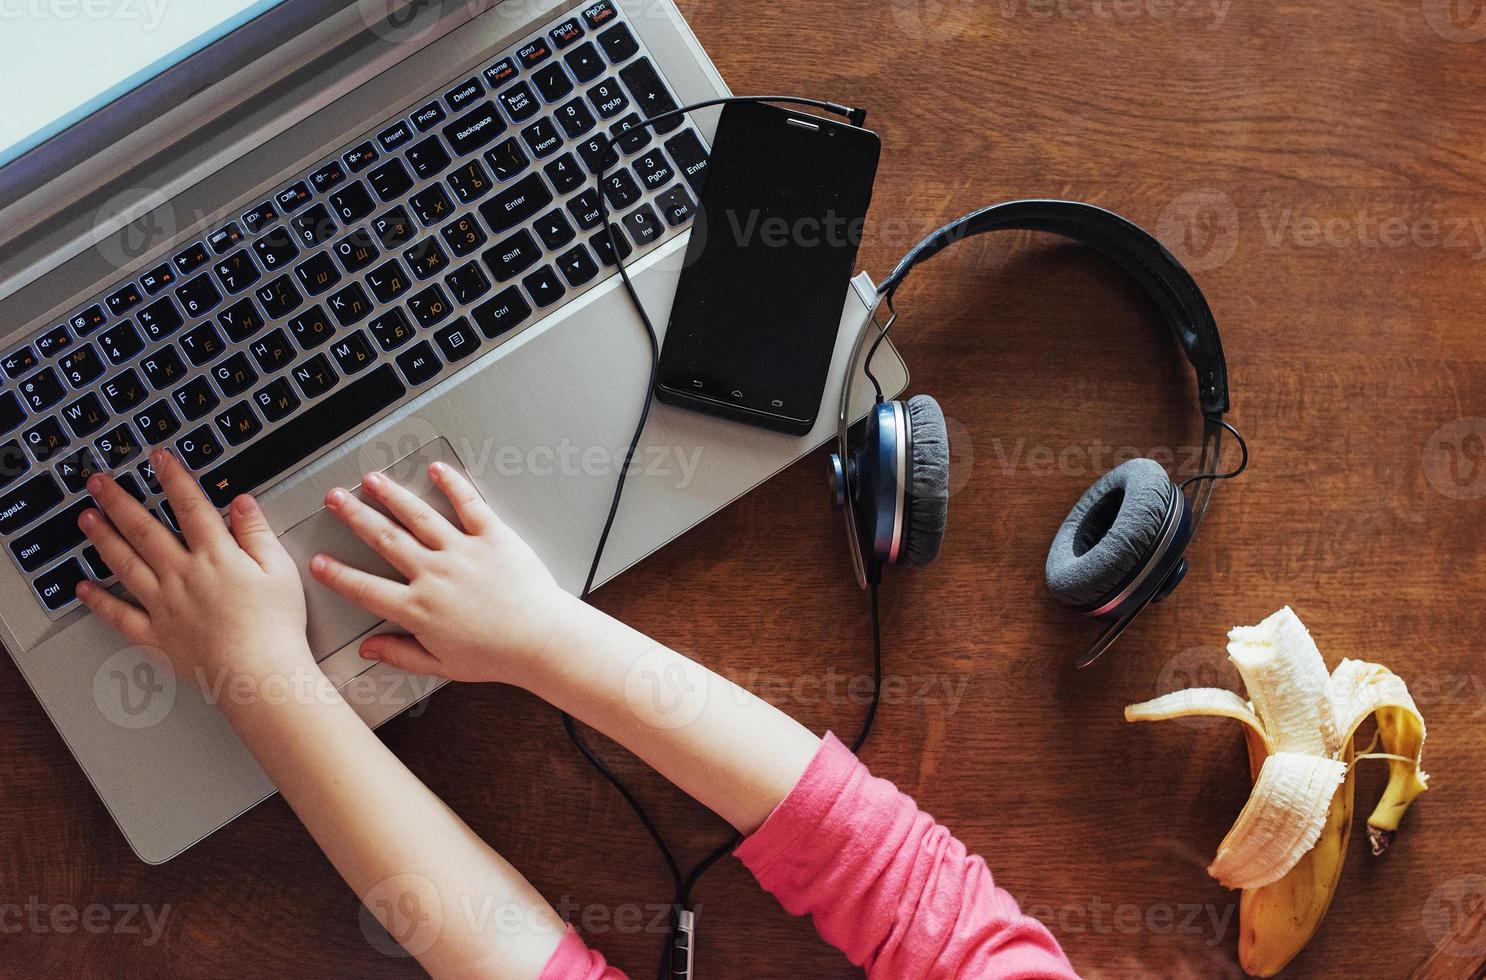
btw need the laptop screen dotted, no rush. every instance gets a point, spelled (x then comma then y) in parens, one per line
(61, 60)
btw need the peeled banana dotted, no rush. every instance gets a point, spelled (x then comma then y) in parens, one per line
(1287, 847)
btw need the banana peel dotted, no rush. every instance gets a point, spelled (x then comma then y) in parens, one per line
(1288, 846)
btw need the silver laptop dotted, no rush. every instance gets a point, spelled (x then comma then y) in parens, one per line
(299, 240)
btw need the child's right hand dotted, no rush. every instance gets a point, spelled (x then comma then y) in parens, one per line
(478, 602)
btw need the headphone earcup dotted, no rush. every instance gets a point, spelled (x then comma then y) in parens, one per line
(1111, 532)
(927, 503)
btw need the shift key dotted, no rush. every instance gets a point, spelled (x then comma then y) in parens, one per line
(52, 537)
(521, 201)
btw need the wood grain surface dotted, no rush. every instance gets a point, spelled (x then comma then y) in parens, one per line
(1321, 166)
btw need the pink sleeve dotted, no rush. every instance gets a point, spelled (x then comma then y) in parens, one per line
(889, 887)
(573, 960)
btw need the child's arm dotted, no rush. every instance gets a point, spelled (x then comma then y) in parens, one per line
(884, 883)
(227, 609)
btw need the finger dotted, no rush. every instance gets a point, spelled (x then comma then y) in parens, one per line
(425, 523)
(250, 528)
(402, 652)
(197, 518)
(378, 596)
(125, 617)
(148, 537)
(471, 509)
(377, 530)
(117, 554)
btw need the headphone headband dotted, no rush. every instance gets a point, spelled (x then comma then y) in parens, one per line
(1129, 246)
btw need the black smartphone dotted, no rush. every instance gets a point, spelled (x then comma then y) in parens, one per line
(771, 256)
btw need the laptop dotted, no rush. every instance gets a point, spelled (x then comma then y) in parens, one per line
(296, 241)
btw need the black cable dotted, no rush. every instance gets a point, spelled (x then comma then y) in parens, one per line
(684, 886)
(1243, 461)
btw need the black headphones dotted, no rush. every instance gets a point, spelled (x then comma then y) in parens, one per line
(1122, 546)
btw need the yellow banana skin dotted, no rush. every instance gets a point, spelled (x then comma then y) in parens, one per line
(1400, 734)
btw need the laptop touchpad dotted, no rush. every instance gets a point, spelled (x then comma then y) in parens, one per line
(334, 622)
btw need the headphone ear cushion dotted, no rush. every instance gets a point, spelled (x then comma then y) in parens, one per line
(927, 502)
(1112, 529)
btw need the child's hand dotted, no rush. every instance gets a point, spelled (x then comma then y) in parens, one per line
(478, 602)
(225, 602)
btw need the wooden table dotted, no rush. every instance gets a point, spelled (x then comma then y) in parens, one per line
(1320, 165)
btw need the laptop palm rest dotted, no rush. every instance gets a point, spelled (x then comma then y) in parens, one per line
(334, 622)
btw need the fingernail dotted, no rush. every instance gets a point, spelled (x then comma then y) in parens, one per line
(438, 469)
(368, 652)
(158, 457)
(317, 564)
(335, 497)
(84, 587)
(87, 519)
(372, 479)
(243, 504)
(95, 483)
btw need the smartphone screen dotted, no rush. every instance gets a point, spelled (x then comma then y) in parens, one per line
(759, 301)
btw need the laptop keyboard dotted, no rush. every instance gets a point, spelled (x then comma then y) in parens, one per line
(357, 285)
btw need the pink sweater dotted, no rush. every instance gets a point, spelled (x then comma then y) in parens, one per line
(885, 884)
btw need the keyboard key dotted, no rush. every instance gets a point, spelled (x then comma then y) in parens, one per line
(158, 279)
(362, 157)
(599, 14)
(603, 249)
(226, 239)
(120, 342)
(234, 375)
(195, 398)
(328, 176)
(426, 259)
(543, 286)
(276, 399)
(314, 226)
(566, 33)
(311, 328)
(541, 136)
(577, 266)
(165, 515)
(242, 320)
(629, 135)
(428, 158)
(676, 206)
(314, 376)
(199, 448)
(432, 205)
(294, 197)
(474, 129)
(650, 94)
(124, 299)
(352, 203)
(430, 306)
(458, 340)
(164, 367)
(554, 230)
(388, 281)
(97, 567)
(26, 503)
(429, 116)
(462, 95)
(520, 104)
(643, 226)
(85, 415)
(470, 182)
(13, 463)
(199, 296)
(202, 344)
(52, 538)
(620, 190)
(419, 363)
(81, 366)
(653, 169)
(117, 446)
(608, 99)
(395, 228)
(54, 341)
(392, 329)
(157, 423)
(275, 249)
(585, 63)
(19, 362)
(279, 298)
(161, 318)
(46, 438)
(534, 53)
(42, 390)
(564, 173)
(552, 82)
(77, 468)
(317, 273)
(88, 320)
(618, 43)
(585, 210)
(467, 284)
(12, 413)
(123, 391)
(356, 251)
(238, 424)
(463, 235)
(260, 217)
(320, 426)
(599, 154)
(575, 118)
(191, 259)
(522, 200)
(350, 305)
(353, 354)
(395, 135)
(506, 311)
(687, 150)
(501, 72)
(507, 160)
(237, 272)
(272, 351)
(509, 258)
(58, 587)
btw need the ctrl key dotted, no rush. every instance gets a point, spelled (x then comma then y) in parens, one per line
(58, 587)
